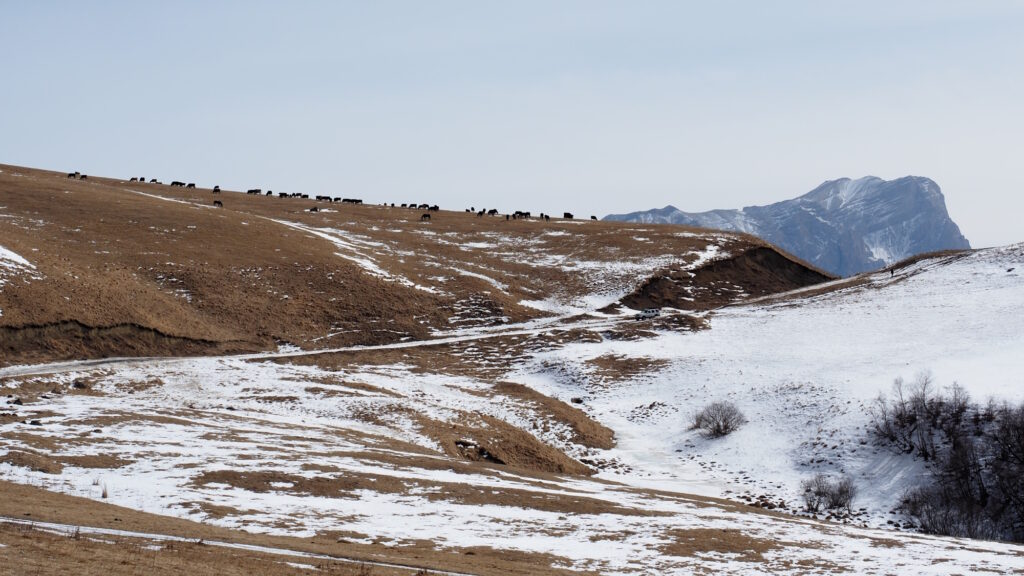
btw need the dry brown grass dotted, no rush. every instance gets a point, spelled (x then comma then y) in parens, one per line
(35, 552)
(694, 541)
(119, 273)
(585, 430)
(27, 502)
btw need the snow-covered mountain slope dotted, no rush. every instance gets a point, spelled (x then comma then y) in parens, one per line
(843, 226)
(804, 370)
(417, 441)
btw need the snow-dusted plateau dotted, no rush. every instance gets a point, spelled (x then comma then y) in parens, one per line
(467, 394)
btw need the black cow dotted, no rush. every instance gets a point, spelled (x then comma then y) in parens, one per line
(314, 209)
(191, 185)
(480, 214)
(218, 204)
(424, 217)
(177, 183)
(216, 189)
(72, 174)
(567, 215)
(434, 208)
(547, 218)
(82, 177)
(254, 191)
(269, 193)
(593, 217)
(493, 212)
(282, 194)
(133, 179)
(154, 181)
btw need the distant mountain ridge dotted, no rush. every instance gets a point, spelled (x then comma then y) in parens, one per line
(843, 226)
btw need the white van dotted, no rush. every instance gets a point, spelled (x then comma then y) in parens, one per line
(648, 313)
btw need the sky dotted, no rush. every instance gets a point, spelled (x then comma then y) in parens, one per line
(591, 107)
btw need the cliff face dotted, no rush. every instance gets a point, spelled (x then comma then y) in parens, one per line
(843, 226)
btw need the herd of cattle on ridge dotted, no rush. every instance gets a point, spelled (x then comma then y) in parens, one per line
(517, 215)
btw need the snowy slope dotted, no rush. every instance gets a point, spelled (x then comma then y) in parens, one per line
(291, 449)
(804, 372)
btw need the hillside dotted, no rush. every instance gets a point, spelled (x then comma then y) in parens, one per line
(517, 420)
(108, 267)
(843, 226)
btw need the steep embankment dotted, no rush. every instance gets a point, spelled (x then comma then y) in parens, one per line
(754, 272)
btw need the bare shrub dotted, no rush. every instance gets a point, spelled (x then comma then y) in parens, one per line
(718, 419)
(821, 492)
(975, 454)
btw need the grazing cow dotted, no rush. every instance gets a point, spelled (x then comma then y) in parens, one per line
(254, 191)
(216, 189)
(218, 204)
(593, 217)
(493, 212)
(314, 209)
(133, 179)
(153, 181)
(337, 199)
(282, 194)
(506, 216)
(567, 215)
(305, 196)
(269, 193)
(468, 210)
(82, 177)
(72, 174)
(424, 217)
(423, 206)
(405, 205)
(434, 208)
(191, 185)
(547, 218)
(177, 183)
(480, 214)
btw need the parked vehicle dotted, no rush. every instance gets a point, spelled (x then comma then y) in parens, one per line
(647, 313)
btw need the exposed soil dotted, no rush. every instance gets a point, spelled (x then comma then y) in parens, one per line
(498, 442)
(757, 271)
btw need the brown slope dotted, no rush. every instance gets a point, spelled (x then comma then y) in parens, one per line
(217, 280)
(146, 269)
(756, 271)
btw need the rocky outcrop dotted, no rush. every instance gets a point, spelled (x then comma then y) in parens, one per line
(843, 226)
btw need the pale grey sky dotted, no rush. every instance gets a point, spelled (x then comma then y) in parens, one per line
(587, 106)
